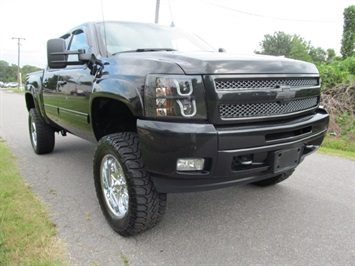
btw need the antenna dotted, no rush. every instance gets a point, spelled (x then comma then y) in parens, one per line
(104, 25)
(171, 16)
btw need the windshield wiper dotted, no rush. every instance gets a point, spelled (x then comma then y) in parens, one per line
(154, 49)
(142, 50)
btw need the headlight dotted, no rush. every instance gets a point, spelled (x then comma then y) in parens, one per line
(174, 97)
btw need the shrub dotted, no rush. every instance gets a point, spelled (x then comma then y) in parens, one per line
(340, 103)
(339, 72)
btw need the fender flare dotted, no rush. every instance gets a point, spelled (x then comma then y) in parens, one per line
(123, 90)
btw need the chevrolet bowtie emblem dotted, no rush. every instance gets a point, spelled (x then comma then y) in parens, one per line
(286, 94)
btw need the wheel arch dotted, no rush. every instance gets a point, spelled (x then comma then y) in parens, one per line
(115, 105)
(111, 115)
(32, 88)
(30, 102)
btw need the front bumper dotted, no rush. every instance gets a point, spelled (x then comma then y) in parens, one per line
(225, 150)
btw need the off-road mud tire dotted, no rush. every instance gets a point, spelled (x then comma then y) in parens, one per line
(146, 206)
(41, 134)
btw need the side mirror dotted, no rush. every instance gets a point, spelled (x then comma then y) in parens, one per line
(222, 50)
(56, 55)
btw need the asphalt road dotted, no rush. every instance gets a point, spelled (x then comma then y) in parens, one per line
(308, 219)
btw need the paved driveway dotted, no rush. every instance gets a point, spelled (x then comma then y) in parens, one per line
(308, 219)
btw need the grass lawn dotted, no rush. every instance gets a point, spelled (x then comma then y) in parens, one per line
(27, 235)
(13, 90)
(338, 147)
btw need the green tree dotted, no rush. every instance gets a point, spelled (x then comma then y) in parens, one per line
(27, 69)
(283, 44)
(348, 41)
(277, 44)
(8, 72)
(318, 55)
(300, 49)
(331, 55)
(3, 64)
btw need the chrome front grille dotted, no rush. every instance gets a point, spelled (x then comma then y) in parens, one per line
(235, 111)
(263, 83)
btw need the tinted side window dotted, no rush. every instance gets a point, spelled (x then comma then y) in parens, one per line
(67, 39)
(78, 42)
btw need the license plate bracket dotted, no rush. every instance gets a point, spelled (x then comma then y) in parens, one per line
(287, 159)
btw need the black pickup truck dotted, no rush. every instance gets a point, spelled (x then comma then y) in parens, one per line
(171, 114)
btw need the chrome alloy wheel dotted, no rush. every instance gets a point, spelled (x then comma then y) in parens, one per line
(33, 132)
(114, 186)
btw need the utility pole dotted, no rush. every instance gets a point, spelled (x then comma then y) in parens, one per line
(157, 12)
(19, 80)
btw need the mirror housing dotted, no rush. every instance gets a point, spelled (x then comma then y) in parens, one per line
(56, 56)
(222, 50)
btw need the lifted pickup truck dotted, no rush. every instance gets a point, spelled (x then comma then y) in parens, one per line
(170, 114)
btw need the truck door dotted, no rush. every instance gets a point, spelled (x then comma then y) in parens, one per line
(50, 91)
(51, 88)
(75, 85)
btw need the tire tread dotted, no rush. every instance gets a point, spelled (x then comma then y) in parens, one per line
(45, 134)
(146, 203)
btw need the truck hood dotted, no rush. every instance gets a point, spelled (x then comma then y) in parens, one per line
(226, 63)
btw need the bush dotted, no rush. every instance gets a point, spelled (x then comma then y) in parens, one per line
(340, 103)
(339, 72)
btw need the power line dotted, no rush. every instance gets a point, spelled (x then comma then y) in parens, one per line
(270, 17)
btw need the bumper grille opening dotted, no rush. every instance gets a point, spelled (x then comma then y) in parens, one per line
(230, 111)
(287, 134)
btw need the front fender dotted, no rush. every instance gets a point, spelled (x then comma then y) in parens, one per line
(127, 90)
(33, 82)
(33, 94)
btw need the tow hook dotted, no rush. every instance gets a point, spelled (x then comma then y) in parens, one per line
(245, 160)
(311, 148)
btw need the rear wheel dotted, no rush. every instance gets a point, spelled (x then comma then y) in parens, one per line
(274, 180)
(125, 191)
(41, 134)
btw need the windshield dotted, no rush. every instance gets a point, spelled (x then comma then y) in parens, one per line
(129, 36)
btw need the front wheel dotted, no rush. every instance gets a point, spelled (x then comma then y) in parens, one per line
(125, 191)
(41, 134)
(274, 180)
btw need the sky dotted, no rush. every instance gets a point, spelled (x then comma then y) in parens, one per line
(236, 25)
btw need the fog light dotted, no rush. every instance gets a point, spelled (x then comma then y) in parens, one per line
(190, 164)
